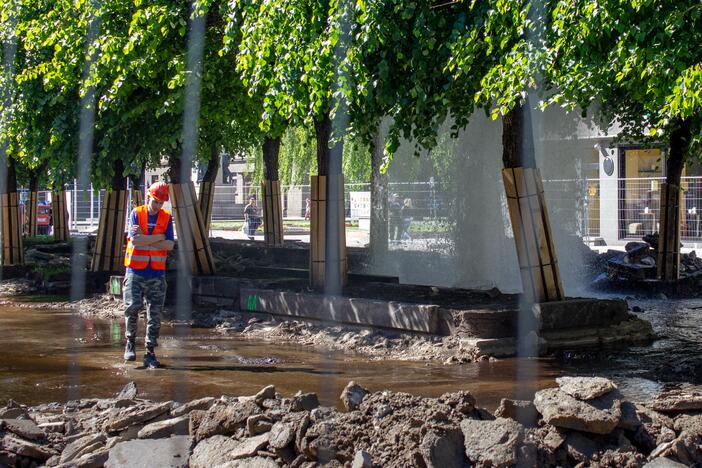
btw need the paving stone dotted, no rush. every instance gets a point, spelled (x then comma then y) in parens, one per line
(212, 451)
(173, 452)
(492, 443)
(585, 388)
(167, 428)
(599, 416)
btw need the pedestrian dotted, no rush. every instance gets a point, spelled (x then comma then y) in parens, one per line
(394, 220)
(308, 209)
(407, 215)
(252, 218)
(149, 238)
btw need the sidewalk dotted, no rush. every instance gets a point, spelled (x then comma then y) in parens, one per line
(353, 238)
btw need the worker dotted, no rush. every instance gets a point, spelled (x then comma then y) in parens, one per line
(149, 238)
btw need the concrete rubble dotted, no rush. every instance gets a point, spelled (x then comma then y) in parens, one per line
(583, 422)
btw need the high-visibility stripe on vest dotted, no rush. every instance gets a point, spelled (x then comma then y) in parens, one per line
(138, 258)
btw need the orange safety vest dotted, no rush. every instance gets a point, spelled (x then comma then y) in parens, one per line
(138, 257)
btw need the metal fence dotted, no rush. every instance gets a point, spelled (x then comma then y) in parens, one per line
(622, 209)
(229, 201)
(616, 210)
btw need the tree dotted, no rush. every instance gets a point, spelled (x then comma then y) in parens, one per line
(503, 57)
(632, 61)
(157, 82)
(399, 74)
(293, 55)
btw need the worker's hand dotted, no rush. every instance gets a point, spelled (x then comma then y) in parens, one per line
(157, 237)
(135, 231)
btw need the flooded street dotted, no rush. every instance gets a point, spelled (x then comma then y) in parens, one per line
(54, 355)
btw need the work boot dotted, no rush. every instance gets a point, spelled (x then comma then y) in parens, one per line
(150, 361)
(129, 351)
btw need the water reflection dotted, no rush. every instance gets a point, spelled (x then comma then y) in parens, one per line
(45, 350)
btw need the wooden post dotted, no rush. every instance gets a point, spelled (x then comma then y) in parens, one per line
(318, 219)
(12, 247)
(137, 197)
(109, 245)
(668, 261)
(190, 228)
(206, 199)
(536, 251)
(30, 211)
(272, 212)
(59, 214)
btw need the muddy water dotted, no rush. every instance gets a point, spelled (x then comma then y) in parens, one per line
(53, 355)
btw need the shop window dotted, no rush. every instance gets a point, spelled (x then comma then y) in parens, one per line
(642, 171)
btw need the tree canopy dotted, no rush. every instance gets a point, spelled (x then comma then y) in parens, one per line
(633, 62)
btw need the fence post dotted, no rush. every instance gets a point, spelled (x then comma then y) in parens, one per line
(92, 204)
(75, 204)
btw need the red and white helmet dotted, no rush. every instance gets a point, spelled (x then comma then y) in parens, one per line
(159, 191)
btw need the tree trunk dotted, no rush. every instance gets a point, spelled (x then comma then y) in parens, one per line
(271, 150)
(174, 164)
(108, 254)
(12, 246)
(137, 188)
(518, 139)
(272, 201)
(536, 251)
(322, 130)
(189, 222)
(668, 262)
(379, 200)
(328, 265)
(207, 187)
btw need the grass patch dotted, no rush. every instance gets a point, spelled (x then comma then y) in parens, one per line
(48, 270)
(292, 225)
(38, 240)
(430, 226)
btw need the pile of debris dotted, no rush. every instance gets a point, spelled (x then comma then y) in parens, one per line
(582, 422)
(638, 262)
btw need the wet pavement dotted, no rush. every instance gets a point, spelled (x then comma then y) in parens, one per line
(54, 355)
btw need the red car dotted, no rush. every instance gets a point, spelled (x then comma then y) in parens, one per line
(43, 219)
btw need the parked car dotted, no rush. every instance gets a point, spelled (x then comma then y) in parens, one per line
(43, 219)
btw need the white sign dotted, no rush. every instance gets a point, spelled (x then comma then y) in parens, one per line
(360, 204)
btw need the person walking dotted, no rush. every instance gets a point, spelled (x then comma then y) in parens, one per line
(149, 238)
(252, 218)
(308, 209)
(407, 216)
(394, 220)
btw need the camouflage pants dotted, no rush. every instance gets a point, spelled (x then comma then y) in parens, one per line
(136, 288)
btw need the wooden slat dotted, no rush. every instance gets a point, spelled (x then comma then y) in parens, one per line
(343, 261)
(111, 204)
(532, 234)
(556, 286)
(137, 197)
(31, 213)
(198, 228)
(109, 245)
(187, 242)
(204, 252)
(318, 231)
(59, 214)
(272, 212)
(206, 199)
(192, 237)
(668, 261)
(12, 244)
(120, 242)
(6, 242)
